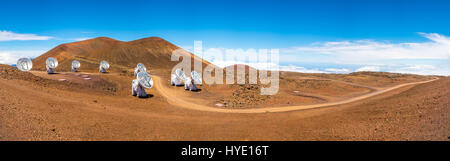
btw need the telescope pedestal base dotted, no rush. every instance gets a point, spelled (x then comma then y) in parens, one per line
(191, 87)
(137, 90)
(50, 71)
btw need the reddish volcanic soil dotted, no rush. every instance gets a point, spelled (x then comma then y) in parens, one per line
(65, 106)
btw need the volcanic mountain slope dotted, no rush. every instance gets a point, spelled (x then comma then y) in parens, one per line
(122, 56)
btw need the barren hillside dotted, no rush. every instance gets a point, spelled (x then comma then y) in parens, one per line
(154, 52)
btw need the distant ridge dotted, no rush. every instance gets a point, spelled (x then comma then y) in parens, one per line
(123, 56)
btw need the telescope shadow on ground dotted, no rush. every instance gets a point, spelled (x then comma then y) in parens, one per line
(145, 97)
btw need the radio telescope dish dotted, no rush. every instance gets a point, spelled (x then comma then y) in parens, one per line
(24, 64)
(145, 80)
(180, 74)
(139, 68)
(103, 66)
(76, 64)
(196, 77)
(174, 81)
(178, 78)
(51, 62)
(142, 81)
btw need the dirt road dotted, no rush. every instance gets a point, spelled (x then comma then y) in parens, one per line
(176, 99)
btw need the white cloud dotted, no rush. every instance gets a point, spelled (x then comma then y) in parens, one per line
(270, 66)
(293, 68)
(436, 37)
(427, 58)
(11, 57)
(82, 38)
(363, 51)
(421, 69)
(369, 68)
(336, 70)
(10, 36)
(409, 69)
(6, 58)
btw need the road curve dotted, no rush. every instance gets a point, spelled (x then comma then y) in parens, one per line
(174, 100)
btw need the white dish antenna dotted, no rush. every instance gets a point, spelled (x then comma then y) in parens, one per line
(196, 77)
(104, 64)
(141, 67)
(145, 80)
(24, 64)
(174, 81)
(51, 62)
(180, 74)
(76, 64)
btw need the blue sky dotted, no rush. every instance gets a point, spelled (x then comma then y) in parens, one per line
(307, 33)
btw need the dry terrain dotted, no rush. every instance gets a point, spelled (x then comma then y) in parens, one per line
(36, 106)
(88, 105)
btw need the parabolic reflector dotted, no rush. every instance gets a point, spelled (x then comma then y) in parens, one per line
(196, 77)
(145, 80)
(24, 64)
(180, 74)
(51, 62)
(141, 67)
(76, 64)
(104, 64)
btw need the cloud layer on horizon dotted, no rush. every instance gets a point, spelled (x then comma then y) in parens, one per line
(363, 55)
(366, 51)
(11, 36)
(11, 57)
